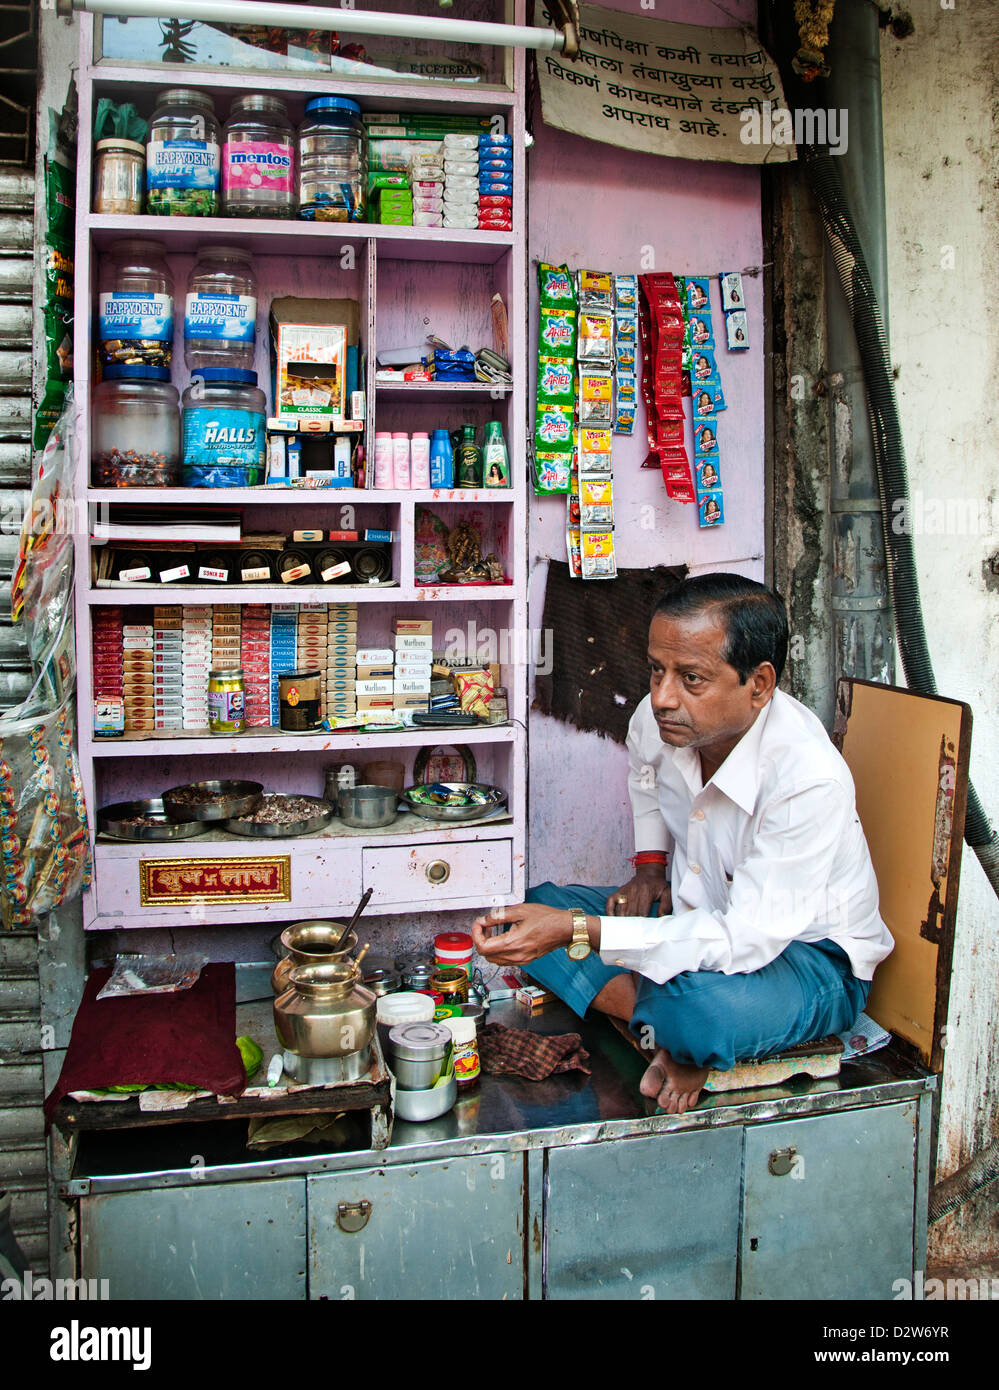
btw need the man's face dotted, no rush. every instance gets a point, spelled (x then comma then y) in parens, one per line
(697, 698)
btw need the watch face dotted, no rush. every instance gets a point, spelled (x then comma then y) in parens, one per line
(579, 950)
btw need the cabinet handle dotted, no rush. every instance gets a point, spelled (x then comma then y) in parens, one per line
(353, 1216)
(439, 871)
(782, 1161)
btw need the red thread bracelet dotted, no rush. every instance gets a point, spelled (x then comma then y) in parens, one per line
(649, 856)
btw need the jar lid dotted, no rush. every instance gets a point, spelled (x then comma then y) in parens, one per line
(229, 253)
(453, 941)
(235, 376)
(135, 371)
(189, 96)
(413, 1042)
(259, 101)
(117, 143)
(228, 672)
(298, 675)
(332, 104)
(404, 1006)
(462, 1029)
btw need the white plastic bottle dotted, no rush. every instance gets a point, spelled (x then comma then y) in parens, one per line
(383, 459)
(400, 460)
(419, 449)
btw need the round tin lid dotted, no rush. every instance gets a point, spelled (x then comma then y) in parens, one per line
(415, 1042)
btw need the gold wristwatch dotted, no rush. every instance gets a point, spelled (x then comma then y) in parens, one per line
(579, 947)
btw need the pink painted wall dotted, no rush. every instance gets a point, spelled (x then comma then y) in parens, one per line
(599, 206)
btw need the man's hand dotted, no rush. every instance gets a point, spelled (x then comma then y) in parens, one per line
(536, 929)
(648, 886)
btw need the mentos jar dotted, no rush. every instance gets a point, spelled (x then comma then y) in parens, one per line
(258, 159)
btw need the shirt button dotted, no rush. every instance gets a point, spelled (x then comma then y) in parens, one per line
(698, 815)
(695, 868)
(619, 962)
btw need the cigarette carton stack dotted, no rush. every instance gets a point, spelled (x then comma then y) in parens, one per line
(284, 624)
(310, 638)
(137, 659)
(461, 181)
(196, 662)
(255, 659)
(374, 679)
(414, 657)
(340, 683)
(109, 671)
(168, 666)
(226, 636)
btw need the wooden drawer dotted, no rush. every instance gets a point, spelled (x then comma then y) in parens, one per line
(425, 875)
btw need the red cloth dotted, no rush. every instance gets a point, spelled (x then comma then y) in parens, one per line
(189, 1037)
(516, 1052)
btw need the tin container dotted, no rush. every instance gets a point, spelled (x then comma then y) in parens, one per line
(119, 177)
(417, 977)
(451, 983)
(416, 1054)
(300, 696)
(325, 1011)
(226, 702)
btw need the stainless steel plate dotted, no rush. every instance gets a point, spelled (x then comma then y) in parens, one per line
(218, 800)
(110, 821)
(246, 825)
(454, 814)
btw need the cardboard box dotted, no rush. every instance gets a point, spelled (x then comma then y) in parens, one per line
(309, 352)
(375, 701)
(413, 627)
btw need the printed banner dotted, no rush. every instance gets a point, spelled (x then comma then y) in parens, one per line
(169, 882)
(681, 90)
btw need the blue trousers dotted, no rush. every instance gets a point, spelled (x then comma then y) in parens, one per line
(705, 1018)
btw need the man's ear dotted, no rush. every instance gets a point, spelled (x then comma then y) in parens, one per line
(764, 683)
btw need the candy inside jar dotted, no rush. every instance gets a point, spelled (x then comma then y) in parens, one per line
(136, 428)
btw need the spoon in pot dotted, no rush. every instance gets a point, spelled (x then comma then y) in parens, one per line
(350, 925)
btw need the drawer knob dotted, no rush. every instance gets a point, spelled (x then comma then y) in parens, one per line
(353, 1216)
(439, 871)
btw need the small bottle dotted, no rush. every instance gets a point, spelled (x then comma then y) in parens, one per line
(383, 459)
(419, 452)
(467, 1066)
(495, 459)
(441, 460)
(400, 460)
(469, 459)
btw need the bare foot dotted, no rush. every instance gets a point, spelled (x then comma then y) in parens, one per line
(674, 1085)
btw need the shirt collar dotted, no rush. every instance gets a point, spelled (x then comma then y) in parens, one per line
(739, 775)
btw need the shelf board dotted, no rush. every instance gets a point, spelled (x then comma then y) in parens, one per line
(460, 391)
(258, 742)
(274, 238)
(300, 593)
(292, 496)
(412, 95)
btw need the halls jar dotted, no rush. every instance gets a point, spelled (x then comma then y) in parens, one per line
(135, 305)
(183, 155)
(223, 428)
(332, 162)
(258, 159)
(220, 312)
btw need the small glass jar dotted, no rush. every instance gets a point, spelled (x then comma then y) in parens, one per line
(258, 159)
(226, 702)
(224, 430)
(332, 162)
(119, 176)
(135, 438)
(183, 155)
(451, 982)
(220, 312)
(499, 706)
(135, 305)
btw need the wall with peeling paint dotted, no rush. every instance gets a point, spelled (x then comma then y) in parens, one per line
(942, 175)
(598, 206)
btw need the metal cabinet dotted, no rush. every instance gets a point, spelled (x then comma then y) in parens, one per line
(429, 1231)
(645, 1218)
(829, 1205)
(237, 1241)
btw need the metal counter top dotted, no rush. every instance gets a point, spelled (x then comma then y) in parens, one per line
(501, 1114)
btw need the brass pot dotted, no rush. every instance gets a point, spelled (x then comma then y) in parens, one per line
(311, 943)
(325, 1011)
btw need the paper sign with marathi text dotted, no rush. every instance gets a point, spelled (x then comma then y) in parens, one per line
(681, 90)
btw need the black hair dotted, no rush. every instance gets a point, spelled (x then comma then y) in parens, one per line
(754, 618)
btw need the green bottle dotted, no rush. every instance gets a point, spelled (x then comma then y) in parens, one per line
(469, 459)
(495, 459)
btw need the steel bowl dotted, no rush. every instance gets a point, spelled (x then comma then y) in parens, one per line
(111, 821)
(224, 800)
(426, 1105)
(367, 807)
(454, 814)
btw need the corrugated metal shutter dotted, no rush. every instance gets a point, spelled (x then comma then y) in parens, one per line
(22, 1135)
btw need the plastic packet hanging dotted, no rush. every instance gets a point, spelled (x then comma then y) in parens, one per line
(57, 313)
(595, 290)
(142, 974)
(555, 287)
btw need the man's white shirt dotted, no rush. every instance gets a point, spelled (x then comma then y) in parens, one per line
(769, 851)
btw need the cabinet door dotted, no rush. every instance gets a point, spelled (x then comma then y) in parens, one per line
(645, 1218)
(829, 1205)
(429, 1231)
(240, 1240)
